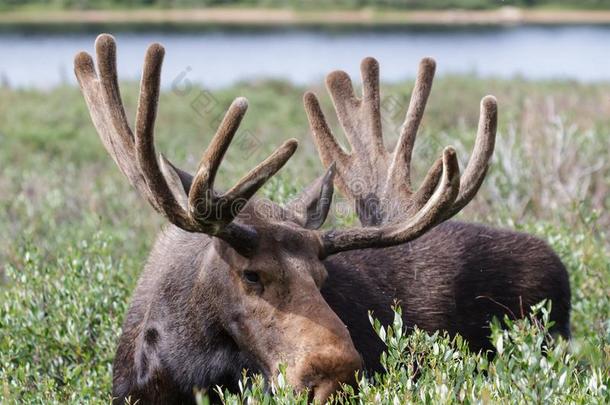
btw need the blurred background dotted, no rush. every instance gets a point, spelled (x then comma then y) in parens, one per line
(546, 62)
(301, 41)
(74, 236)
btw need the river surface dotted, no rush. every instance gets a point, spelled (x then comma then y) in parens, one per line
(222, 57)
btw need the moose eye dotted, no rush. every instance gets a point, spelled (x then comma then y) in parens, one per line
(251, 276)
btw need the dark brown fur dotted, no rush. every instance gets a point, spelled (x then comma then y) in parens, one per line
(455, 278)
(478, 273)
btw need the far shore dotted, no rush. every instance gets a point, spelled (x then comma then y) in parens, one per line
(283, 17)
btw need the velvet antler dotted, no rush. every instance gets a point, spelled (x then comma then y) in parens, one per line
(377, 180)
(190, 203)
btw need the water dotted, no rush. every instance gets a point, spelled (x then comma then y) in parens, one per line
(220, 58)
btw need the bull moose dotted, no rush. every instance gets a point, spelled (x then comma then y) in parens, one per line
(236, 282)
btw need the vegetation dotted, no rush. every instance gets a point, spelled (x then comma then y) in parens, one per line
(345, 4)
(74, 236)
(420, 368)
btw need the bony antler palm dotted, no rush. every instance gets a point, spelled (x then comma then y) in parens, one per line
(378, 180)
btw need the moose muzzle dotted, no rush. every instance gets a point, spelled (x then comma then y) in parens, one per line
(326, 357)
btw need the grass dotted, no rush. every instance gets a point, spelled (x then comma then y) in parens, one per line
(74, 236)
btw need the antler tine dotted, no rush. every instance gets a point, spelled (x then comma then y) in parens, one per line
(371, 103)
(425, 190)
(108, 118)
(202, 189)
(329, 150)
(340, 86)
(346, 104)
(257, 177)
(146, 155)
(105, 48)
(428, 216)
(401, 163)
(359, 115)
(479, 161)
(202, 197)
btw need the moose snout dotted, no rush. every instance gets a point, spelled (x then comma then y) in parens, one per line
(324, 372)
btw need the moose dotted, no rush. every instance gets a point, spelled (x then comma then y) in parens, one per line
(236, 282)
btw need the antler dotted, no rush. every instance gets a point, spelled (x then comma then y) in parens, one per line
(190, 203)
(378, 180)
(426, 217)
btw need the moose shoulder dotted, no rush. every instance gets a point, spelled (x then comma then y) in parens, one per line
(237, 282)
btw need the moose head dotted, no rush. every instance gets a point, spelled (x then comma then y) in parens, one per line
(233, 279)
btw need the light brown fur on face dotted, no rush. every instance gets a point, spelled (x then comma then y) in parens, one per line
(206, 316)
(283, 318)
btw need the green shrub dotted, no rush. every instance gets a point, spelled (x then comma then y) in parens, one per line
(74, 236)
(529, 367)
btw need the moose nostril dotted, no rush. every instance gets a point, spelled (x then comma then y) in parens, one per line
(322, 391)
(352, 363)
(321, 386)
(311, 395)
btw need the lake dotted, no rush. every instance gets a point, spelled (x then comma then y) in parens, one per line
(219, 58)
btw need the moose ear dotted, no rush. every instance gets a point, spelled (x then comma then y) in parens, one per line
(311, 207)
(171, 171)
(229, 254)
(147, 360)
